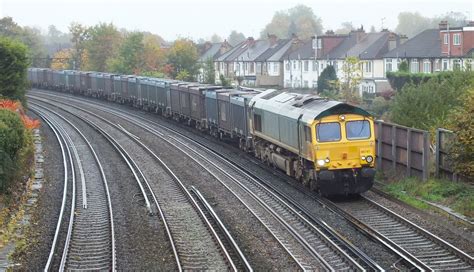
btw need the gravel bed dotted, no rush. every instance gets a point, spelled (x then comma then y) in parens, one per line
(373, 249)
(462, 240)
(262, 251)
(196, 237)
(42, 228)
(133, 225)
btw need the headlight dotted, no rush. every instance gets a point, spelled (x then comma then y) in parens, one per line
(321, 162)
(369, 159)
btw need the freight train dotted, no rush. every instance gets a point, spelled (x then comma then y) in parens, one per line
(327, 145)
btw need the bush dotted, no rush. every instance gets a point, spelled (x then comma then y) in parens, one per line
(13, 65)
(428, 105)
(326, 80)
(379, 106)
(13, 138)
(462, 150)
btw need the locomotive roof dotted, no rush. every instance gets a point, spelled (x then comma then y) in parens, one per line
(308, 106)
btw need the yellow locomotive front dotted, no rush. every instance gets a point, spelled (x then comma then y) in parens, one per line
(344, 153)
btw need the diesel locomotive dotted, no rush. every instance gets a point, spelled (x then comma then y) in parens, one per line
(327, 145)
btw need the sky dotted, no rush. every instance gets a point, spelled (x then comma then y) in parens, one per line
(173, 19)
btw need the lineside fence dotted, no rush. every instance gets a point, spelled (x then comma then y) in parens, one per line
(408, 151)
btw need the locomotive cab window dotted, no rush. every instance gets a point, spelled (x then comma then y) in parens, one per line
(307, 134)
(328, 132)
(257, 119)
(358, 130)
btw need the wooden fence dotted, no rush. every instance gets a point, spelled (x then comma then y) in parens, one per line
(443, 165)
(402, 150)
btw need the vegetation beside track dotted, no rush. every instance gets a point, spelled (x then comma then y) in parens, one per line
(456, 195)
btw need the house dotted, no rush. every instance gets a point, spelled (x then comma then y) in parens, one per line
(224, 64)
(435, 50)
(270, 64)
(300, 67)
(369, 48)
(305, 65)
(210, 51)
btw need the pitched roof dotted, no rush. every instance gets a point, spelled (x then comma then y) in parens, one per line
(254, 51)
(427, 44)
(340, 50)
(234, 52)
(305, 51)
(272, 51)
(213, 52)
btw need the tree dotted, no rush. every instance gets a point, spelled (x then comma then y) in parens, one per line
(183, 55)
(235, 38)
(216, 38)
(352, 77)
(31, 37)
(130, 59)
(154, 56)
(79, 36)
(327, 79)
(102, 44)
(428, 105)
(209, 72)
(299, 20)
(184, 75)
(403, 66)
(462, 123)
(62, 60)
(13, 64)
(412, 23)
(346, 27)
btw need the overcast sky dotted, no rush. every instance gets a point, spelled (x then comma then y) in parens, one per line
(201, 18)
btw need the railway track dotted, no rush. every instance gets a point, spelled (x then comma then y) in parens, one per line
(322, 243)
(425, 249)
(190, 241)
(239, 259)
(89, 243)
(412, 251)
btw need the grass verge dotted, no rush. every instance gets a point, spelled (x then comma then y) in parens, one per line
(455, 195)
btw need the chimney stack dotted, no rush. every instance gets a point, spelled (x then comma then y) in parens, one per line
(443, 25)
(403, 39)
(272, 38)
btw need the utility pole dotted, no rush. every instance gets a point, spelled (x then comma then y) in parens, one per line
(383, 19)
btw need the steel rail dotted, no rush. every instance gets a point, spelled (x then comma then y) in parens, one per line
(166, 168)
(64, 149)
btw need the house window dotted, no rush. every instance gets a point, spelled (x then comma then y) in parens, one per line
(456, 64)
(445, 65)
(319, 44)
(315, 84)
(288, 66)
(246, 67)
(305, 84)
(436, 66)
(259, 67)
(368, 67)
(446, 38)
(252, 68)
(414, 67)
(388, 65)
(457, 39)
(426, 66)
(306, 66)
(276, 66)
(294, 65)
(315, 66)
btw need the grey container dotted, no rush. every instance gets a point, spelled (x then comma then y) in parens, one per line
(239, 107)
